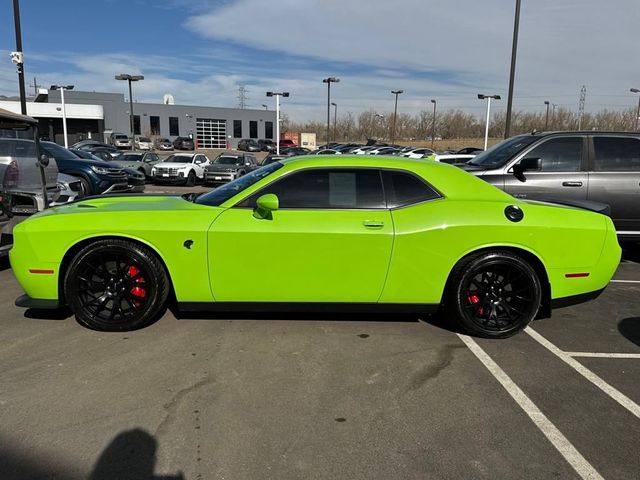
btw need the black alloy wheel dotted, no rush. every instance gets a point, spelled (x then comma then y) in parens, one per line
(116, 285)
(495, 294)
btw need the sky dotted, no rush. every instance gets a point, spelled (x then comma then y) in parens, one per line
(201, 51)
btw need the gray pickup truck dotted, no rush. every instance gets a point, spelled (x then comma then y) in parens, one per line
(570, 167)
(229, 166)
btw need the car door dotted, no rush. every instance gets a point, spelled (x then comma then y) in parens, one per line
(329, 241)
(199, 162)
(562, 174)
(614, 178)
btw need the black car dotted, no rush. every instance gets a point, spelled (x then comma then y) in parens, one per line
(229, 166)
(290, 152)
(469, 151)
(248, 145)
(101, 151)
(273, 158)
(184, 143)
(135, 178)
(267, 145)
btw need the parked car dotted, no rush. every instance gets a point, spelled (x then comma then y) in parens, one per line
(164, 144)
(101, 151)
(470, 151)
(291, 151)
(571, 167)
(450, 158)
(89, 142)
(326, 151)
(180, 168)
(363, 150)
(69, 190)
(143, 143)
(136, 175)
(417, 153)
(96, 176)
(120, 140)
(333, 235)
(386, 150)
(248, 145)
(273, 158)
(142, 162)
(136, 180)
(227, 167)
(287, 143)
(267, 145)
(184, 143)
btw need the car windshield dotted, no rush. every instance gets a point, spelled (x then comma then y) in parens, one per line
(501, 153)
(227, 161)
(178, 159)
(130, 157)
(221, 194)
(143, 139)
(121, 137)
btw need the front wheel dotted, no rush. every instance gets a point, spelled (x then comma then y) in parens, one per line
(494, 294)
(116, 285)
(191, 179)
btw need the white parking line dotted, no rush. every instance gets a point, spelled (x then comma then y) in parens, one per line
(618, 396)
(625, 281)
(603, 355)
(555, 436)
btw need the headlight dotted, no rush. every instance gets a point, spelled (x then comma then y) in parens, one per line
(100, 170)
(61, 186)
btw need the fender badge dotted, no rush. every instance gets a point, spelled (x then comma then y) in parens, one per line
(187, 244)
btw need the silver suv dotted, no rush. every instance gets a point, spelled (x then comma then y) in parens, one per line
(570, 167)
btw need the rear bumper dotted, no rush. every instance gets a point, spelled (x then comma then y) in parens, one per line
(25, 301)
(575, 299)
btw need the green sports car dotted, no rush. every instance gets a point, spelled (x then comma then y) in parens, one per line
(340, 233)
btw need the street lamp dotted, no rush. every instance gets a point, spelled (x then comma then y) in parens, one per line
(512, 73)
(395, 112)
(335, 119)
(62, 88)
(265, 106)
(486, 130)
(635, 90)
(546, 122)
(277, 95)
(130, 78)
(329, 81)
(433, 123)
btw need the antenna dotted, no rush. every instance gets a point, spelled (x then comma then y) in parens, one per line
(242, 97)
(583, 97)
(35, 86)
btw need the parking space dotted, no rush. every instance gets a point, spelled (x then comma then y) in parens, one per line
(319, 396)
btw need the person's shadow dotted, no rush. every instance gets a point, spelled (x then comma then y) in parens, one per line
(131, 455)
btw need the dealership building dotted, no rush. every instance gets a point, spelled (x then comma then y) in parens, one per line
(97, 115)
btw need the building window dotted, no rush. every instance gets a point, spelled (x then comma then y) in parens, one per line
(237, 129)
(154, 123)
(253, 129)
(174, 126)
(268, 130)
(136, 124)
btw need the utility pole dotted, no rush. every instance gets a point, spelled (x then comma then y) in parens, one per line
(18, 57)
(35, 86)
(329, 81)
(335, 119)
(433, 123)
(395, 114)
(583, 97)
(546, 122)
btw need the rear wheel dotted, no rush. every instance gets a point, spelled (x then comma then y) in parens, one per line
(494, 294)
(116, 285)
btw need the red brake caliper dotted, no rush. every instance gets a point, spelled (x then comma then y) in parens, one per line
(136, 291)
(473, 300)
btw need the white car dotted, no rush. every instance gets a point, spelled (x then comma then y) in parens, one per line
(450, 158)
(363, 150)
(418, 153)
(184, 168)
(381, 151)
(143, 143)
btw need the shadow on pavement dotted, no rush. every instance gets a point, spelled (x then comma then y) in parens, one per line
(4, 264)
(630, 252)
(630, 329)
(46, 314)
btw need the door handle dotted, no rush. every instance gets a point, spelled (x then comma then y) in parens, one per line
(373, 223)
(571, 184)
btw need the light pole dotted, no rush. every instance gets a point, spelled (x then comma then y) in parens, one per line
(512, 73)
(329, 81)
(130, 78)
(546, 121)
(335, 119)
(265, 106)
(635, 90)
(381, 117)
(62, 88)
(395, 114)
(486, 130)
(277, 95)
(18, 58)
(433, 123)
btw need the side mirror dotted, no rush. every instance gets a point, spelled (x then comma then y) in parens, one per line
(43, 160)
(265, 205)
(526, 165)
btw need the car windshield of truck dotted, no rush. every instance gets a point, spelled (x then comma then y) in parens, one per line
(227, 161)
(56, 151)
(178, 159)
(501, 153)
(144, 139)
(121, 137)
(221, 194)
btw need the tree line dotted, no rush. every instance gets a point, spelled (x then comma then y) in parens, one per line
(454, 124)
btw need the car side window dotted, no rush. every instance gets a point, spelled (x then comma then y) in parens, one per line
(559, 154)
(404, 189)
(616, 154)
(326, 189)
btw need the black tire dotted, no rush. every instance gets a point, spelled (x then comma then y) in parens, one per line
(116, 285)
(87, 190)
(493, 294)
(191, 179)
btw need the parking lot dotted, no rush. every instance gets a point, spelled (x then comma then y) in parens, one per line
(319, 396)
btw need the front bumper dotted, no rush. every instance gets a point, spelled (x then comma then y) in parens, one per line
(219, 177)
(25, 301)
(174, 179)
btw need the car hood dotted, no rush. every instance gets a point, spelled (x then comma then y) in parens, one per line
(172, 165)
(475, 169)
